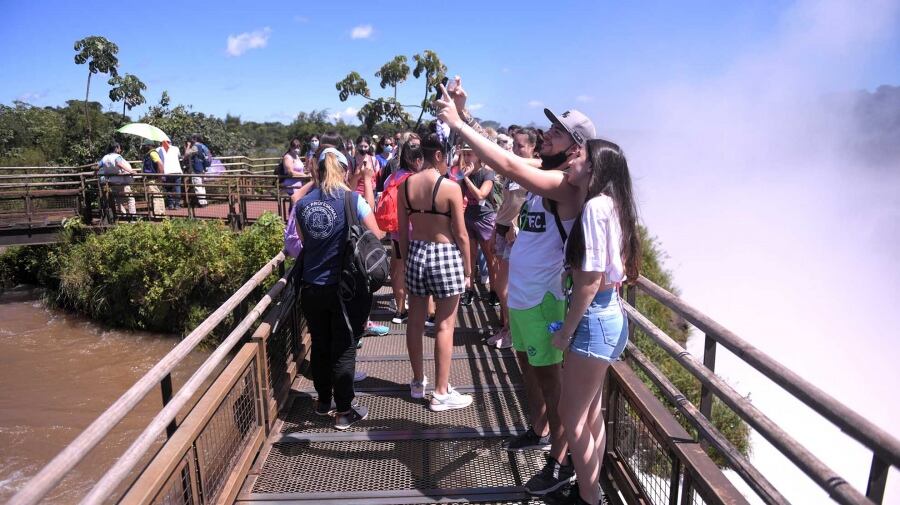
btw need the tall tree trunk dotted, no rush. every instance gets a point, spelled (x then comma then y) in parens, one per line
(124, 119)
(87, 117)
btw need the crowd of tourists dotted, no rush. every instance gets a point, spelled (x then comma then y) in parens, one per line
(549, 215)
(162, 161)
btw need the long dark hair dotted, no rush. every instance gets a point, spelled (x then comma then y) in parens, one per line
(610, 177)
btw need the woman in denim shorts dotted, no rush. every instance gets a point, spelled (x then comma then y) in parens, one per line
(603, 250)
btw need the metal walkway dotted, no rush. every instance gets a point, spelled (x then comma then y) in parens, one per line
(405, 453)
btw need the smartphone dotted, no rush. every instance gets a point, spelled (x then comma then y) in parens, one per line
(437, 89)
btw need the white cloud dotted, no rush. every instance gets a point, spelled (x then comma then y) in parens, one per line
(347, 114)
(239, 44)
(361, 32)
(475, 106)
(584, 98)
(31, 96)
(535, 104)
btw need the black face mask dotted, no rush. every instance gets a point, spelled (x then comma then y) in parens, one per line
(551, 161)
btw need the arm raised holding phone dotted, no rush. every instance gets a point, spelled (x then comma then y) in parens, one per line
(560, 146)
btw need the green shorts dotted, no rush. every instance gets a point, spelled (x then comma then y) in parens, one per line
(530, 334)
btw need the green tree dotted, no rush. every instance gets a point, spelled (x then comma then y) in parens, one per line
(100, 55)
(392, 74)
(128, 90)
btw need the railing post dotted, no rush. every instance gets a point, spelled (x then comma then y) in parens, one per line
(166, 386)
(877, 479)
(674, 479)
(709, 361)
(687, 489)
(631, 298)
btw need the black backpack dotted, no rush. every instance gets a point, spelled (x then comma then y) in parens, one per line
(364, 263)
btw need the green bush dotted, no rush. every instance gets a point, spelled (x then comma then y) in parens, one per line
(165, 276)
(724, 419)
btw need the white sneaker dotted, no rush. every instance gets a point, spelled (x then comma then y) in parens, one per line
(452, 400)
(359, 376)
(496, 337)
(505, 342)
(417, 388)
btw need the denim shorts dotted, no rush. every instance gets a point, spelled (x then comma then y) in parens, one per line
(603, 330)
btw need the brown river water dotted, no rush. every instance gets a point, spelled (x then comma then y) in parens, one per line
(58, 372)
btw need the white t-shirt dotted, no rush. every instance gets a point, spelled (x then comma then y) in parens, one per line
(537, 257)
(171, 165)
(602, 239)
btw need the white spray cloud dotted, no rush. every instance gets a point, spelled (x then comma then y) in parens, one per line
(779, 230)
(241, 43)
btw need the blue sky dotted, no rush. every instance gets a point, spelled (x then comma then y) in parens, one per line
(596, 56)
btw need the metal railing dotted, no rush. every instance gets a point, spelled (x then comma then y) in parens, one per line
(207, 456)
(650, 456)
(885, 448)
(38, 202)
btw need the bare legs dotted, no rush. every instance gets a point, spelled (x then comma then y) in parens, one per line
(582, 419)
(398, 282)
(537, 409)
(415, 330)
(445, 320)
(548, 379)
(502, 289)
(488, 251)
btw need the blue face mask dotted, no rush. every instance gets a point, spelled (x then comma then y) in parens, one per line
(388, 149)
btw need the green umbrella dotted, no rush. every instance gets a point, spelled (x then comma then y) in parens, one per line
(147, 131)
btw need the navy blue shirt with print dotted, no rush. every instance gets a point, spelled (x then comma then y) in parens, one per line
(323, 226)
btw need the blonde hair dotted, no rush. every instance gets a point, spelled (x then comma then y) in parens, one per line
(331, 175)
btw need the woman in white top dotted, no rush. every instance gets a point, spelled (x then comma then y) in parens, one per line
(603, 250)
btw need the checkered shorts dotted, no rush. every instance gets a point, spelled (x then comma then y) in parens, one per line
(434, 268)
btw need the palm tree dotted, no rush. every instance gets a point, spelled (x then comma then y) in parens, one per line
(127, 89)
(100, 55)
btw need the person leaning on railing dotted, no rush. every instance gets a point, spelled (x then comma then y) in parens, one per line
(118, 174)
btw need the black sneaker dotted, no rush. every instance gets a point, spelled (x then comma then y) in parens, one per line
(529, 440)
(327, 410)
(466, 298)
(346, 420)
(552, 477)
(493, 299)
(324, 409)
(400, 317)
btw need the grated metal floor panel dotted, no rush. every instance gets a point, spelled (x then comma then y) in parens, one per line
(403, 453)
(496, 410)
(496, 372)
(395, 344)
(366, 466)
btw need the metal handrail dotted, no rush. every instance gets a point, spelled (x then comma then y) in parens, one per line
(838, 488)
(65, 461)
(855, 425)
